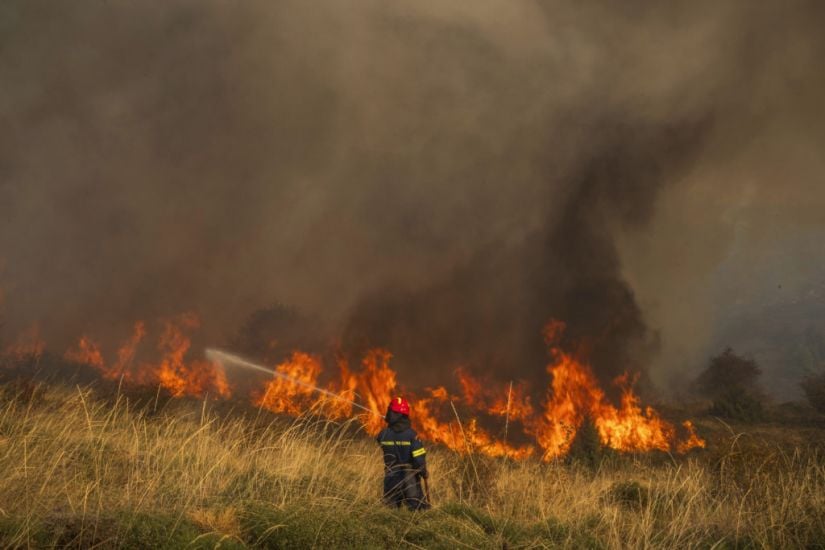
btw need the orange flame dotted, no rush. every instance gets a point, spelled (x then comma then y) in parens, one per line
(172, 372)
(693, 441)
(126, 352)
(457, 435)
(284, 395)
(28, 344)
(87, 352)
(375, 385)
(576, 396)
(573, 396)
(291, 391)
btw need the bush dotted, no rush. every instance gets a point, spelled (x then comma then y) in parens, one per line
(814, 388)
(731, 383)
(738, 405)
(728, 371)
(586, 449)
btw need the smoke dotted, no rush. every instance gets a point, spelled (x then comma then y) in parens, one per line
(439, 179)
(491, 310)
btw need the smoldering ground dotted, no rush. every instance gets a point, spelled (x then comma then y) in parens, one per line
(438, 178)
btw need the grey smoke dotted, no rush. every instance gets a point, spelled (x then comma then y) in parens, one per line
(440, 178)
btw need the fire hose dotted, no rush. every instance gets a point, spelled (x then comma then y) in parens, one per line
(225, 358)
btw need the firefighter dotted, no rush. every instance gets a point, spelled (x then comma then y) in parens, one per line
(405, 463)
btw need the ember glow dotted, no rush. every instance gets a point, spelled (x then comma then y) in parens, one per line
(496, 420)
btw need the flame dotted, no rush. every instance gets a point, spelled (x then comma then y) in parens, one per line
(492, 419)
(375, 385)
(693, 441)
(285, 395)
(576, 396)
(172, 372)
(28, 345)
(515, 406)
(126, 352)
(294, 389)
(87, 352)
(457, 435)
(511, 402)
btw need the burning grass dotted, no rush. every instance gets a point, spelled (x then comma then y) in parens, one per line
(545, 429)
(82, 469)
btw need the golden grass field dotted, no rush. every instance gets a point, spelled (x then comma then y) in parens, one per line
(87, 469)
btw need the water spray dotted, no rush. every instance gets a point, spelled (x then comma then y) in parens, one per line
(226, 358)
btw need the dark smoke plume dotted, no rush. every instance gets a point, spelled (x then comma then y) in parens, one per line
(437, 177)
(490, 312)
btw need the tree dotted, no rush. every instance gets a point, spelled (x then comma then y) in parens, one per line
(731, 382)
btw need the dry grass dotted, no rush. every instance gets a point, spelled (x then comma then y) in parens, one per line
(84, 471)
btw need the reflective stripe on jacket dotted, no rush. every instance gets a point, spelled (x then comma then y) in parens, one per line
(402, 449)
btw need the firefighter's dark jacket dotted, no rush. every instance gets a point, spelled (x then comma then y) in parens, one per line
(401, 446)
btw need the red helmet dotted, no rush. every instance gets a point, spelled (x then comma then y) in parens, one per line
(400, 405)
